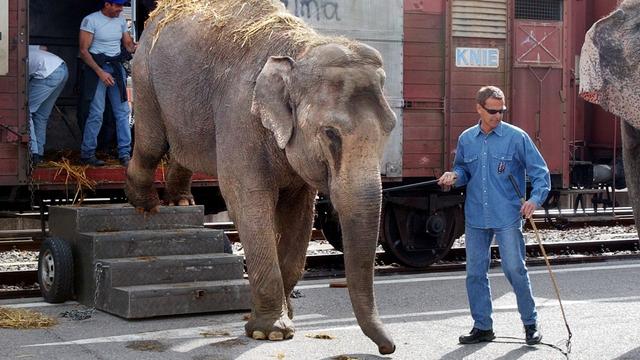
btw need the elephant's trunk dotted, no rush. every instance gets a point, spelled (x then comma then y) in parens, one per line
(358, 201)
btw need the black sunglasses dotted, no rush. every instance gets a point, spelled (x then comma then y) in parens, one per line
(493, 112)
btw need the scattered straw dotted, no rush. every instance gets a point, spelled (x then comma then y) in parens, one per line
(321, 336)
(76, 174)
(24, 319)
(217, 333)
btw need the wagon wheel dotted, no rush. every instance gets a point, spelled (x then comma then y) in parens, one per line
(415, 238)
(55, 270)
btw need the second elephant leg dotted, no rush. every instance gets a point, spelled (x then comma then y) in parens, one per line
(631, 157)
(253, 212)
(178, 189)
(294, 220)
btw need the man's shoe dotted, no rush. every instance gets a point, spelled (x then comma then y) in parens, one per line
(476, 335)
(36, 159)
(124, 161)
(534, 336)
(93, 161)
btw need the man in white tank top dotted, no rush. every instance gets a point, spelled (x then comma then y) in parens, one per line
(101, 34)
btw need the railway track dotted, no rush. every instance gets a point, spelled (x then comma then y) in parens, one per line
(331, 265)
(559, 253)
(30, 240)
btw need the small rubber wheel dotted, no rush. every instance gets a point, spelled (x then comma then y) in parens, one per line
(55, 270)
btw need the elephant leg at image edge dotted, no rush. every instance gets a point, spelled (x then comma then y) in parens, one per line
(631, 158)
(294, 219)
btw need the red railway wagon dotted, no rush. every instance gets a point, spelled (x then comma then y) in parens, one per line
(530, 49)
(446, 50)
(55, 25)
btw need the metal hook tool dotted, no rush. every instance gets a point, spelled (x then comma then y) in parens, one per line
(546, 260)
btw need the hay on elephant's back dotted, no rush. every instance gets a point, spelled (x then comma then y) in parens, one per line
(24, 319)
(258, 20)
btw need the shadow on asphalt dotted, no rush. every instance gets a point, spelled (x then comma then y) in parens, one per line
(632, 354)
(358, 356)
(463, 351)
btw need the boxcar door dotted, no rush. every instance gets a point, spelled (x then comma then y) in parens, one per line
(539, 87)
(13, 81)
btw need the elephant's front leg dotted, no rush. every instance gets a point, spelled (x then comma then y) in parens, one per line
(254, 216)
(178, 188)
(294, 219)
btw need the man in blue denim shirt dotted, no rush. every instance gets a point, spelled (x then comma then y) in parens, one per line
(486, 155)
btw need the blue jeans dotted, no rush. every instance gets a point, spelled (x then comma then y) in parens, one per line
(121, 113)
(512, 255)
(42, 97)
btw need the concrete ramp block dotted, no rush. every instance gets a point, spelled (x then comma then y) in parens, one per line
(145, 301)
(154, 243)
(66, 221)
(171, 269)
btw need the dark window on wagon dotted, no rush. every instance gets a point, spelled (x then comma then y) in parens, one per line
(545, 10)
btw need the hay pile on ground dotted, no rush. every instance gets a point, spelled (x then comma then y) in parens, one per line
(24, 319)
(258, 19)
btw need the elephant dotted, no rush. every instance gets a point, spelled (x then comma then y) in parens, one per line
(610, 77)
(244, 91)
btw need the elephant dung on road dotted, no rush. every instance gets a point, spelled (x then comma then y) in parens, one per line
(610, 77)
(242, 90)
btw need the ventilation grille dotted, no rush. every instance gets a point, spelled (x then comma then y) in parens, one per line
(479, 19)
(546, 10)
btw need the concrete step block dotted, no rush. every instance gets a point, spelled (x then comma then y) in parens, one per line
(143, 301)
(67, 221)
(153, 242)
(171, 269)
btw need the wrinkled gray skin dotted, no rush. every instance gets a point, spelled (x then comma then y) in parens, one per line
(274, 129)
(610, 77)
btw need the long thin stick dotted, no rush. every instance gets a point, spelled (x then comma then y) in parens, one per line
(546, 261)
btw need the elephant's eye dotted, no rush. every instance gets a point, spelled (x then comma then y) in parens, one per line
(335, 145)
(331, 134)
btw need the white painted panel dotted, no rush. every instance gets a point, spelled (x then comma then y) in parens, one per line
(479, 19)
(4, 37)
(378, 23)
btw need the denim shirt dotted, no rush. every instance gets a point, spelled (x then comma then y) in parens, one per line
(483, 162)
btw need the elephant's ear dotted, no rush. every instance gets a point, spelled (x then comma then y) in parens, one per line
(271, 98)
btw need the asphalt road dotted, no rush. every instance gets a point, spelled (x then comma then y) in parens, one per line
(424, 313)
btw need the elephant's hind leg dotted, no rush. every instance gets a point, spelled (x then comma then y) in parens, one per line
(294, 219)
(178, 189)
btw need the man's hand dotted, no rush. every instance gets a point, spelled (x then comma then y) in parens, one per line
(106, 78)
(527, 208)
(447, 180)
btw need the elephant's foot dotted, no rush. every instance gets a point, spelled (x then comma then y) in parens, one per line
(179, 199)
(274, 330)
(144, 200)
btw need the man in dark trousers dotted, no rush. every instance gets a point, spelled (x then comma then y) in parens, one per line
(486, 155)
(101, 35)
